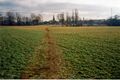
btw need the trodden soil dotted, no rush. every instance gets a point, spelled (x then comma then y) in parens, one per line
(47, 61)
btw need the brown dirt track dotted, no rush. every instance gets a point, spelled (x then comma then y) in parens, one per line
(51, 67)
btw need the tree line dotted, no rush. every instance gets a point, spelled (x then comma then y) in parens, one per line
(113, 21)
(64, 19)
(12, 18)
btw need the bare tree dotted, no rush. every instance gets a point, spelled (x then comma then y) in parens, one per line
(76, 17)
(68, 19)
(39, 18)
(11, 18)
(36, 19)
(33, 16)
(19, 18)
(73, 18)
(1, 18)
(61, 18)
(53, 18)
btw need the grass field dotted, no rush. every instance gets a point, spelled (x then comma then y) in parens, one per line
(59, 52)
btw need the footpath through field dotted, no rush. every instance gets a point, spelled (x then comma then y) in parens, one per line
(47, 61)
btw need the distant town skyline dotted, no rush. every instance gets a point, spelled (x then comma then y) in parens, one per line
(90, 9)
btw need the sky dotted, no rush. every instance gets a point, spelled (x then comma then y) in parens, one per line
(89, 9)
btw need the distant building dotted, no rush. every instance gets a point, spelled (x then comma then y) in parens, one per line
(101, 22)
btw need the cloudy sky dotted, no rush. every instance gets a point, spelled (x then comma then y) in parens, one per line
(89, 9)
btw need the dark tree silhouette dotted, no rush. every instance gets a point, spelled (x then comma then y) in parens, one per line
(115, 21)
(10, 18)
(61, 18)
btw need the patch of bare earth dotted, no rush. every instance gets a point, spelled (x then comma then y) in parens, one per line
(47, 62)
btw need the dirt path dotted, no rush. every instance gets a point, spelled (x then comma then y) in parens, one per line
(47, 62)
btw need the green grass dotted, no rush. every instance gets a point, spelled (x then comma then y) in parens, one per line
(92, 52)
(15, 47)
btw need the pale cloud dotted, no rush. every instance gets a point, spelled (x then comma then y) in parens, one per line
(34, 3)
(87, 8)
(110, 3)
(2, 0)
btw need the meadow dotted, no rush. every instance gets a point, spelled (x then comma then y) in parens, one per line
(60, 52)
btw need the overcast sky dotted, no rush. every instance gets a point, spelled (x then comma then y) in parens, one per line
(87, 8)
